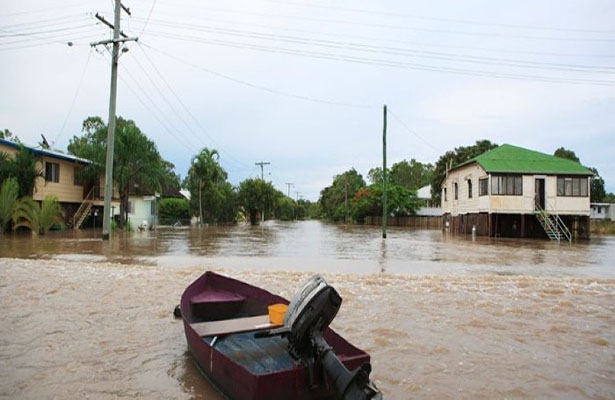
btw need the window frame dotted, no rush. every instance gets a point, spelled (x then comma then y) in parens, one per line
(506, 185)
(566, 185)
(469, 188)
(456, 190)
(485, 182)
(52, 172)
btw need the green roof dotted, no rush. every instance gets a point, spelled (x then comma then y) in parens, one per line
(512, 159)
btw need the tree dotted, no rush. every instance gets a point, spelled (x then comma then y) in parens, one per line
(8, 135)
(401, 201)
(335, 199)
(8, 201)
(256, 197)
(597, 191)
(565, 153)
(455, 157)
(411, 175)
(286, 208)
(206, 182)
(23, 168)
(136, 160)
(38, 218)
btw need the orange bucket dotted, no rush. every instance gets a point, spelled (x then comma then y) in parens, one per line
(277, 313)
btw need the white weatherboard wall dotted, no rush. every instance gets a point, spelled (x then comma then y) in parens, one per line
(464, 204)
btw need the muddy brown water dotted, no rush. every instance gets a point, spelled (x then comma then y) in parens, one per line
(443, 317)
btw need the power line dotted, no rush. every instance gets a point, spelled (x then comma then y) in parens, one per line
(72, 105)
(397, 50)
(70, 28)
(186, 109)
(388, 63)
(403, 124)
(47, 22)
(389, 39)
(428, 18)
(411, 28)
(167, 125)
(257, 86)
(43, 10)
(46, 42)
(148, 17)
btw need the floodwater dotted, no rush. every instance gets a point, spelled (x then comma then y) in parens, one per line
(443, 317)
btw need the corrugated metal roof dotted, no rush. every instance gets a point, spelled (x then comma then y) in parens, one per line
(48, 153)
(512, 159)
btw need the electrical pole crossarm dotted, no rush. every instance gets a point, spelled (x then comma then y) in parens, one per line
(120, 40)
(109, 24)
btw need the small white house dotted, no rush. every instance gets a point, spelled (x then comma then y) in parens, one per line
(142, 211)
(603, 211)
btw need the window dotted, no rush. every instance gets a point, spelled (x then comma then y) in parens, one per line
(445, 199)
(153, 207)
(456, 190)
(510, 185)
(469, 188)
(52, 172)
(483, 187)
(572, 186)
(599, 210)
(131, 207)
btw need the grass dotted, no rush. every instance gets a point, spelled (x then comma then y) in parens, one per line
(603, 227)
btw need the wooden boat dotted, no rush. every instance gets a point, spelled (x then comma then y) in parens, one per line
(240, 365)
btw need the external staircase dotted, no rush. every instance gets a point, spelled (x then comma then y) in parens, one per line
(553, 225)
(83, 210)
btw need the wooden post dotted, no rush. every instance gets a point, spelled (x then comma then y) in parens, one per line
(522, 225)
(490, 225)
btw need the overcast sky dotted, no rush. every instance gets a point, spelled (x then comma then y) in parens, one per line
(301, 84)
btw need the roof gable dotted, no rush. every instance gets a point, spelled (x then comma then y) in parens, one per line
(512, 159)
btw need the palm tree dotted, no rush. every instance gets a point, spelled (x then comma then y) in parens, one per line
(39, 219)
(8, 201)
(205, 172)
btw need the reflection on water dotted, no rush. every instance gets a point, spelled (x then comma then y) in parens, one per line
(316, 246)
(441, 316)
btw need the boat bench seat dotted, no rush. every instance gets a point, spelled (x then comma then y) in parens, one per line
(214, 305)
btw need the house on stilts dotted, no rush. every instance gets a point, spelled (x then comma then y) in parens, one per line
(515, 192)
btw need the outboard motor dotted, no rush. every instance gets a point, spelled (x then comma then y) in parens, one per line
(310, 312)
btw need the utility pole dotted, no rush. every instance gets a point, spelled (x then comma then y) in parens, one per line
(262, 164)
(112, 106)
(289, 184)
(384, 174)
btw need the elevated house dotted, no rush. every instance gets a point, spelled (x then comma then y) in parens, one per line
(60, 178)
(515, 192)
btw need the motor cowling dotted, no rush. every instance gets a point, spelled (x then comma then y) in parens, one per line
(310, 312)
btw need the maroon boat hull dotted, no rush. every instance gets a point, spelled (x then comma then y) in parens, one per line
(215, 297)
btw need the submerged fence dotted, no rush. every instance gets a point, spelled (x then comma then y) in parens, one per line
(428, 222)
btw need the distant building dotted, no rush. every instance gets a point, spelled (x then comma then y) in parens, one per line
(78, 199)
(603, 211)
(428, 206)
(516, 192)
